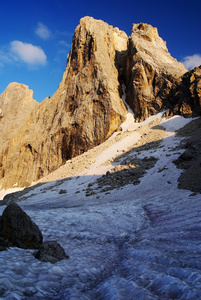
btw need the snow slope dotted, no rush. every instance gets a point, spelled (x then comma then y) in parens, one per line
(136, 242)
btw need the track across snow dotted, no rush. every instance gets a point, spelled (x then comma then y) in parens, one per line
(133, 242)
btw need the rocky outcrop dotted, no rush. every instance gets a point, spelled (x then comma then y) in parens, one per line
(18, 230)
(16, 103)
(89, 90)
(150, 72)
(51, 252)
(190, 160)
(185, 96)
(85, 110)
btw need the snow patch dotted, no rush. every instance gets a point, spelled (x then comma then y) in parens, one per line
(138, 241)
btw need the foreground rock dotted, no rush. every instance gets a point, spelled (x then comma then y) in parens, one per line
(185, 96)
(18, 230)
(51, 252)
(151, 70)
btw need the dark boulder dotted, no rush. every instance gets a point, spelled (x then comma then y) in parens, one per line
(3, 242)
(62, 191)
(51, 252)
(18, 230)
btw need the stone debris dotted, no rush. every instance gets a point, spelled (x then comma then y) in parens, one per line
(51, 252)
(122, 175)
(138, 242)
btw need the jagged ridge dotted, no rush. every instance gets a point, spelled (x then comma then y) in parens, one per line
(87, 107)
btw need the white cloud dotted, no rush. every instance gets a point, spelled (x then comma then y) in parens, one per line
(27, 53)
(63, 43)
(43, 31)
(192, 61)
(4, 58)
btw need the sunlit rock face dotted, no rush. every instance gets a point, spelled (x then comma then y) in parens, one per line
(90, 89)
(103, 66)
(16, 104)
(185, 96)
(84, 111)
(150, 71)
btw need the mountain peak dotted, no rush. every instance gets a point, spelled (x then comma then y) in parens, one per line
(145, 30)
(105, 67)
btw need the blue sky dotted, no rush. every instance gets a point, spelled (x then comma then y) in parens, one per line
(35, 36)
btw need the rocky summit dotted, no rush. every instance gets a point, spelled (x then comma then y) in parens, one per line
(185, 96)
(104, 67)
(16, 103)
(84, 111)
(150, 71)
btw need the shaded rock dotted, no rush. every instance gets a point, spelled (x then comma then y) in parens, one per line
(187, 155)
(185, 96)
(150, 72)
(3, 242)
(9, 198)
(190, 160)
(51, 252)
(62, 191)
(18, 230)
(3, 245)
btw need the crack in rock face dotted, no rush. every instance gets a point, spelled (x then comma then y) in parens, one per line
(104, 68)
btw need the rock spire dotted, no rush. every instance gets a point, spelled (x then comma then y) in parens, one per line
(150, 72)
(102, 66)
(84, 111)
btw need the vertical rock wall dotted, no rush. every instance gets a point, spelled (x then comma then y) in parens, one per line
(185, 96)
(150, 71)
(84, 111)
(87, 108)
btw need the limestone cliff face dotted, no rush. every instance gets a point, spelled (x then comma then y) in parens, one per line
(89, 88)
(16, 103)
(87, 108)
(185, 96)
(150, 71)
(84, 111)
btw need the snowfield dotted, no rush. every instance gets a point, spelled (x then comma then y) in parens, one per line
(135, 242)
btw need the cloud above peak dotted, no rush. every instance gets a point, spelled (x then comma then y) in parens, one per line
(42, 31)
(192, 61)
(27, 53)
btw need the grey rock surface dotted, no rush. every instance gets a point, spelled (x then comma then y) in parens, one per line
(18, 230)
(51, 252)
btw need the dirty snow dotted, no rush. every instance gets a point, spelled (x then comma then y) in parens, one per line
(136, 242)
